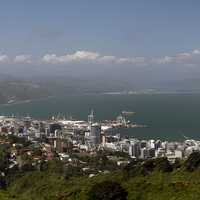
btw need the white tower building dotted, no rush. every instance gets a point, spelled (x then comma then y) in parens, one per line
(95, 134)
(91, 118)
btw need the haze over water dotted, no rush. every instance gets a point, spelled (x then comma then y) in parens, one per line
(168, 116)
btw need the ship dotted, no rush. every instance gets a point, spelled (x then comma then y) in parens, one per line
(127, 113)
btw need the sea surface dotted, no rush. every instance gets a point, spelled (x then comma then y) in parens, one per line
(167, 116)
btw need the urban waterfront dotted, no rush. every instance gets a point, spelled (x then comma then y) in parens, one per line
(167, 116)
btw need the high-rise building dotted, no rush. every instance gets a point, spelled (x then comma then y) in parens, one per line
(95, 133)
(134, 149)
(91, 118)
(144, 153)
(93, 137)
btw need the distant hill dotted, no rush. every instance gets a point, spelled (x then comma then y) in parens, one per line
(14, 89)
(18, 90)
(192, 85)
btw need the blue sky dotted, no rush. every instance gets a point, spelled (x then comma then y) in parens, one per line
(144, 39)
(122, 28)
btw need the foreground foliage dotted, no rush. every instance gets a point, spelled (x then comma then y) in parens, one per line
(151, 180)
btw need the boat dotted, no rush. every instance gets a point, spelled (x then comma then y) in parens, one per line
(128, 113)
(11, 101)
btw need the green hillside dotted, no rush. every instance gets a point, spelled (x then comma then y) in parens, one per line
(150, 180)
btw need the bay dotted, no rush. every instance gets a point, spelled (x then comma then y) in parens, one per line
(167, 116)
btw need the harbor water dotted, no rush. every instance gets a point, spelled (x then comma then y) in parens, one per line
(167, 116)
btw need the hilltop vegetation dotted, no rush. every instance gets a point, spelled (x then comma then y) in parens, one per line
(150, 180)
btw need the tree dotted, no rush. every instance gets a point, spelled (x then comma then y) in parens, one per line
(107, 190)
(21, 140)
(177, 163)
(148, 166)
(162, 164)
(55, 166)
(193, 161)
(2, 182)
(132, 169)
(4, 159)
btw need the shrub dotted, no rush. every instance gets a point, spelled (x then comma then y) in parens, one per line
(193, 161)
(107, 190)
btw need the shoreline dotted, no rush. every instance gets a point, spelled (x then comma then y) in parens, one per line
(120, 93)
(25, 101)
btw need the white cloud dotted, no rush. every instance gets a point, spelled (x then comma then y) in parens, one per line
(185, 59)
(196, 52)
(50, 58)
(94, 57)
(106, 59)
(83, 55)
(164, 60)
(22, 59)
(88, 56)
(123, 60)
(133, 61)
(138, 60)
(4, 58)
(77, 56)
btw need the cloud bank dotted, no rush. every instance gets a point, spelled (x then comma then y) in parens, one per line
(22, 59)
(89, 57)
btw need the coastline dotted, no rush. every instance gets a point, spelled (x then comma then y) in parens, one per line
(155, 111)
(26, 101)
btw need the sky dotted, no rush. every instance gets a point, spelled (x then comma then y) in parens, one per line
(137, 33)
